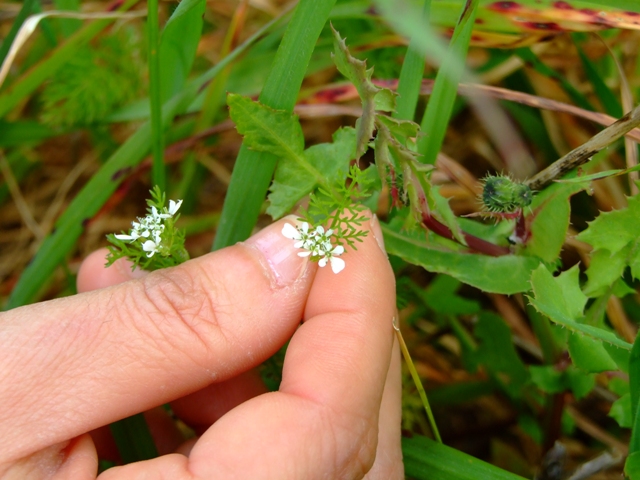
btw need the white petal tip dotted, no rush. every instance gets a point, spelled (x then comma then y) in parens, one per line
(337, 265)
(290, 231)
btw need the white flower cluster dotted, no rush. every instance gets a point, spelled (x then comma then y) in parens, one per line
(149, 229)
(316, 243)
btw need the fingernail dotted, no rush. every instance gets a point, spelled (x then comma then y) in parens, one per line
(377, 232)
(279, 252)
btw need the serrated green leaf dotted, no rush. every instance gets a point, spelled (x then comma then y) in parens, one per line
(507, 274)
(265, 129)
(550, 221)
(623, 222)
(549, 299)
(385, 100)
(569, 283)
(605, 269)
(399, 128)
(621, 411)
(589, 354)
(292, 180)
(372, 97)
(619, 355)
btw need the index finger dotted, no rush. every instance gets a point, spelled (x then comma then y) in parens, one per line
(324, 419)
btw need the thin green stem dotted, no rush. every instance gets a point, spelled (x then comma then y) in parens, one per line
(417, 382)
(158, 170)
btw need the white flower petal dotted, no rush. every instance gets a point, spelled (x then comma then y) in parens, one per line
(339, 250)
(304, 254)
(323, 261)
(174, 206)
(290, 231)
(319, 230)
(150, 246)
(337, 264)
(124, 237)
(304, 228)
(329, 232)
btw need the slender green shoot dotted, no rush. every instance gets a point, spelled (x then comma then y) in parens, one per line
(417, 382)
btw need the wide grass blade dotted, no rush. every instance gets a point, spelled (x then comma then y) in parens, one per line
(253, 170)
(411, 74)
(425, 459)
(440, 106)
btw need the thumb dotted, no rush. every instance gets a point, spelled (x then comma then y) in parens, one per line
(110, 353)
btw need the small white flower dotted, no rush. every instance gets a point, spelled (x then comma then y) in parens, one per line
(337, 264)
(174, 206)
(291, 232)
(151, 247)
(157, 215)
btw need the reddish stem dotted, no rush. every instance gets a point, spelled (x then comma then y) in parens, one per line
(474, 243)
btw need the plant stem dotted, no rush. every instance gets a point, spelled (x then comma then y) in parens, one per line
(473, 242)
(582, 154)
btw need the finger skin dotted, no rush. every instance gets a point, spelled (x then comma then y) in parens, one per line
(323, 423)
(200, 409)
(388, 464)
(73, 364)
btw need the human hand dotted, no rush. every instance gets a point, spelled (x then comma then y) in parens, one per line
(193, 333)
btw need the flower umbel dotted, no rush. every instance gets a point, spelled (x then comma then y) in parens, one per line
(153, 241)
(317, 244)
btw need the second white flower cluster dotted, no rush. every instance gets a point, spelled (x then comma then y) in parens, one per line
(317, 243)
(149, 229)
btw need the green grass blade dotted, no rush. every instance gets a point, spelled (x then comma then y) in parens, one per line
(25, 11)
(27, 83)
(158, 171)
(445, 89)
(425, 459)
(133, 438)
(634, 390)
(253, 170)
(607, 98)
(411, 74)
(68, 26)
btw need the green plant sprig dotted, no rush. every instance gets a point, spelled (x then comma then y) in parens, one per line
(340, 208)
(154, 241)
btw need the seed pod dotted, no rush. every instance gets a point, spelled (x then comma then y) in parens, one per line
(501, 194)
